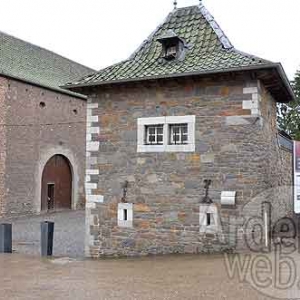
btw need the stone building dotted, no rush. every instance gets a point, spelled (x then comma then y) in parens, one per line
(42, 130)
(186, 110)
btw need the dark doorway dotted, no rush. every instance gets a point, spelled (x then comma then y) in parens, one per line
(50, 196)
(57, 184)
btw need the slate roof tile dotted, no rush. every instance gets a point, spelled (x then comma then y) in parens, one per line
(208, 50)
(25, 61)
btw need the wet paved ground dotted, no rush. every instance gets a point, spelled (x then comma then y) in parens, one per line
(69, 233)
(153, 278)
(168, 278)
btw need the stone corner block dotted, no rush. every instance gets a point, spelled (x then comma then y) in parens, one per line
(236, 120)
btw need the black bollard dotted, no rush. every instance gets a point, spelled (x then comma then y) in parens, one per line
(5, 238)
(47, 232)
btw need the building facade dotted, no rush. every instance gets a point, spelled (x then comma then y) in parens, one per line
(182, 144)
(42, 130)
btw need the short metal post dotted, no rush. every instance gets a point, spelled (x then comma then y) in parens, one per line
(47, 233)
(5, 238)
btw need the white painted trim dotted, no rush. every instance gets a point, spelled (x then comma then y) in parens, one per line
(212, 209)
(92, 119)
(93, 130)
(92, 172)
(151, 121)
(254, 104)
(88, 137)
(142, 122)
(90, 205)
(95, 198)
(129, 221)
(250, 104)
(250, 90)
(91, 186)
(151, 148)
(92, 146)
(180, 119)
(92, 105)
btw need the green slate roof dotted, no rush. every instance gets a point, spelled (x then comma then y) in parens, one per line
(30, 63)
(207, 49)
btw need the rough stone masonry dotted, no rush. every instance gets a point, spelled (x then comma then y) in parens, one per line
(236, 147)
(144, 190)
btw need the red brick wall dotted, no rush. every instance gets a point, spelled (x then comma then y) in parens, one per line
(40, 123)
(3, 95)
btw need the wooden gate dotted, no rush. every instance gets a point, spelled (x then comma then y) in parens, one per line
(57, 184)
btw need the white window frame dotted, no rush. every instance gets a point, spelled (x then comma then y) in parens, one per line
(155, 127)
(166, 121)
(179, 134)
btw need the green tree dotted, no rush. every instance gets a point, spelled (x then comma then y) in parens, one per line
(289, 113)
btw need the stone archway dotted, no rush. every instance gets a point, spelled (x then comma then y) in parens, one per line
(56, 186)
(74, 163)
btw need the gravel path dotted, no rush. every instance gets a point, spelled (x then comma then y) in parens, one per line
(69, 232)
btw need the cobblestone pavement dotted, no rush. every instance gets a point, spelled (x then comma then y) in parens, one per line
(69, 233)
(153, 278)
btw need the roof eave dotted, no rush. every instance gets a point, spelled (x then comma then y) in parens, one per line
(59, 90)
(286, 81)
(277, 66)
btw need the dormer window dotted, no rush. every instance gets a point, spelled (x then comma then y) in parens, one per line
(172, 45)
(171, 51)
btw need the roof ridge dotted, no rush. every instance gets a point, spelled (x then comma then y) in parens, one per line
(44, 49)
(216, 27)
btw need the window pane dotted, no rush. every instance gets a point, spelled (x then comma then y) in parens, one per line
(159, 130)
(151, 130)
(152, 138)
(159, 139)
(178, 134)
(154, 134)
(176, 129)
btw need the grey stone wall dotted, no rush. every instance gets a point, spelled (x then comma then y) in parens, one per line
(38, 124)
(235, 148)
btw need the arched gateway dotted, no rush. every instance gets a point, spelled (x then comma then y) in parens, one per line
(56, 184)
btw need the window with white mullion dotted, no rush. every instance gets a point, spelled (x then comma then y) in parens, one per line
(155, 134)
(166, 134)
(178, 134)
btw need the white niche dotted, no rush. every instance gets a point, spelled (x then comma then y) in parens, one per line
(125, 215)
(209, 218)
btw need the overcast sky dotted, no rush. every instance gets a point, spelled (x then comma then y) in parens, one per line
(98, 33)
